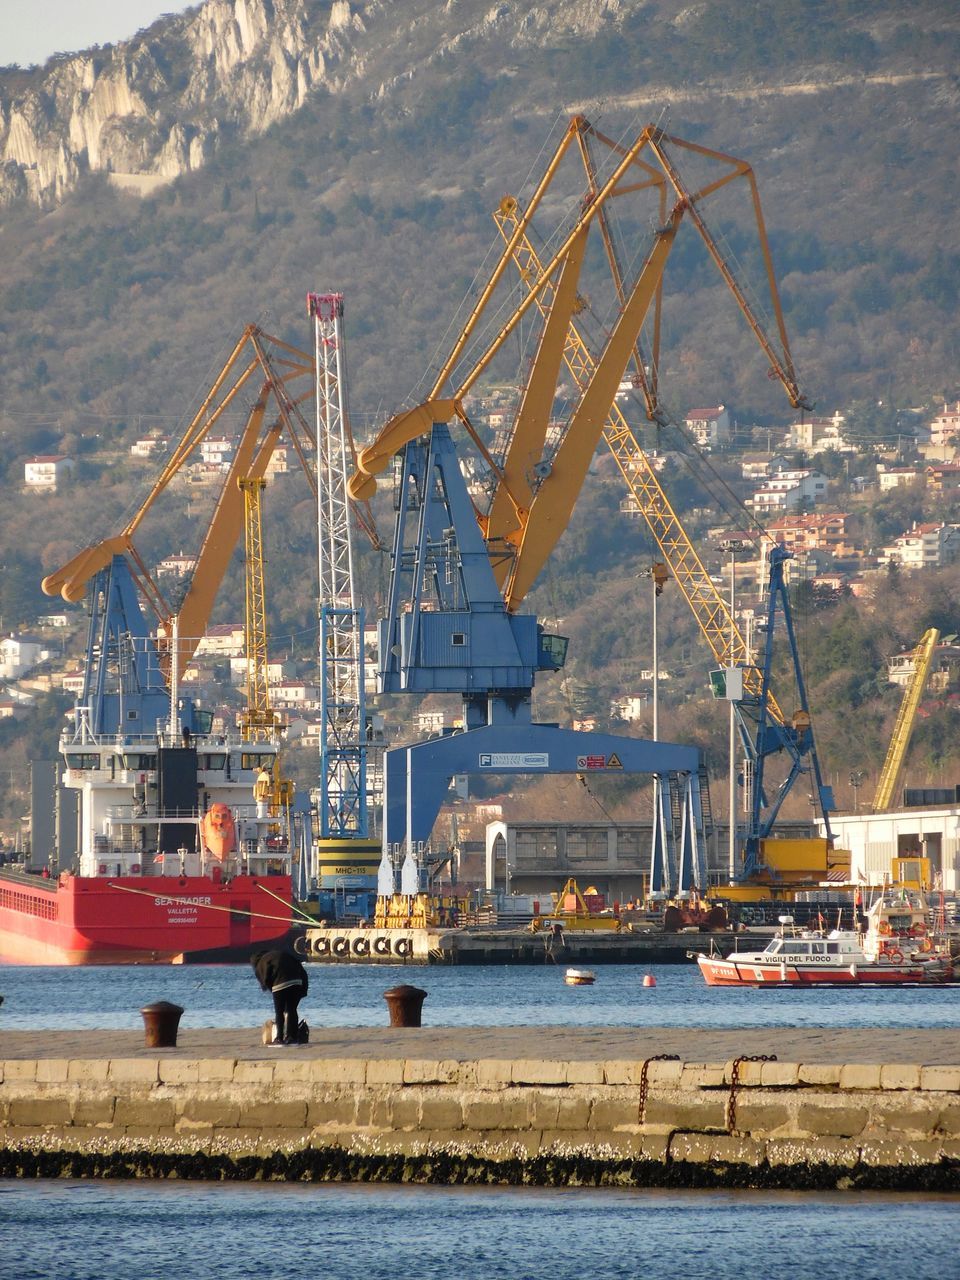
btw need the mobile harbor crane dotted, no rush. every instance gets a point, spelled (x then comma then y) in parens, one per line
(537, 475)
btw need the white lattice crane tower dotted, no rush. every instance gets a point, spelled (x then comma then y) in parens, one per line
(343, 807)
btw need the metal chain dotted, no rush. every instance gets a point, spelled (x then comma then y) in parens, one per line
(735, 1081)
(660, 1057)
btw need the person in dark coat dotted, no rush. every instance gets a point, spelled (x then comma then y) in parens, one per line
(281, 973)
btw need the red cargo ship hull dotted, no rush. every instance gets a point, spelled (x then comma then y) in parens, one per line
(139, 919)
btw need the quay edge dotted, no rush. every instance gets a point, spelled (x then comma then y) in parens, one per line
(336, 1112)
(333, 945)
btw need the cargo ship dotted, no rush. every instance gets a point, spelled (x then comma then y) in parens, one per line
(182, 855)
(183, 844)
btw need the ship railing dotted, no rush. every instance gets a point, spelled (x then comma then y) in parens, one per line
(232, 738)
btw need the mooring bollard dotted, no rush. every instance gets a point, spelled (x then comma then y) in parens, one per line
(160, 1022)
(405, 1004)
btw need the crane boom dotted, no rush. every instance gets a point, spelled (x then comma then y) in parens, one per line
(906, 717)
(710, 609)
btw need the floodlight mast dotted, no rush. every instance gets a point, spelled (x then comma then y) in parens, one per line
(343, 752)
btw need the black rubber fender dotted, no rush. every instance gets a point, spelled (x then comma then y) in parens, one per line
(403, 947)
(381, 945)
(340, 947)
(360, 946)
(321, 945)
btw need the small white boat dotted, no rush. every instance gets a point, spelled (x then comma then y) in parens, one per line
(579, 977)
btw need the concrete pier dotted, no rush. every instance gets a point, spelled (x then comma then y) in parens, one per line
(537, 1106)
(333, 945)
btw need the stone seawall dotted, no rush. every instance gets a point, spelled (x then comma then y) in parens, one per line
(537, 1121)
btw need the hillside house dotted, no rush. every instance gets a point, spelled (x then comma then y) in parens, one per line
(710, 426)
(788, 491)
(432, 722)
(943, 477)
(630, 707)
(814, 531)
(216, 451)
(177, 566)
(757, 466)
(278, 671)
(944, 668)
(924, 546)
(295, 693)
(20, 654)
(815, 434)
(149, 446)
(945, 427)
(222, 640)
(897, 477)
(46, 473)
(279, 463)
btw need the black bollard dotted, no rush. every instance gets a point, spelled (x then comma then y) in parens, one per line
(405, 1004)
(160, 1022)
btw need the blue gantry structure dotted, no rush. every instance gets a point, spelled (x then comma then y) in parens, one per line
(448, 630)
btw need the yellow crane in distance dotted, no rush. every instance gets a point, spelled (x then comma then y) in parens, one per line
(896, 755)
(274, 370)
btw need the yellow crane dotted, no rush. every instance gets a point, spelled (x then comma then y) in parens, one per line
(896, 755)
(274, 370)
(536, 486)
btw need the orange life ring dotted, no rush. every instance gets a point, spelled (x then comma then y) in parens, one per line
(926, 945)
(894, 955)
(885, 928)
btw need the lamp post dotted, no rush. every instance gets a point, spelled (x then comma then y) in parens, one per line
(857, 778)
(659, 575)
(732, 546)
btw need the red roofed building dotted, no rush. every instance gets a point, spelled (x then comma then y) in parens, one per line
(814, 532)
(943, 477)
(924, 546)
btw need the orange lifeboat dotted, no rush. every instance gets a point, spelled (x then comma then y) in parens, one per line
(219, 833)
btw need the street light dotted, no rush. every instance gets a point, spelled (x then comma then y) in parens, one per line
(857, 778)
(659, 575)
(733, 546)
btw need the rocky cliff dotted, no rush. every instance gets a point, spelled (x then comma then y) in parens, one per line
(157, 106)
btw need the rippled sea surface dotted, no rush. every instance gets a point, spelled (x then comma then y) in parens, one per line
(116, 1231)
(492, 995)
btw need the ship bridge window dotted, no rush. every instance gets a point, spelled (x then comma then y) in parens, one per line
(833, 948)
(216, 760)
(900, 924)
(819, 948)
(257, 759)
(137, 760)
(773, 947)
(82, 759)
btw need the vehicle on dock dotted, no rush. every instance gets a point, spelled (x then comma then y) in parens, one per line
(893, 944)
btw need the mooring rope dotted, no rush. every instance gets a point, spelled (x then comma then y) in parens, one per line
(305, 918)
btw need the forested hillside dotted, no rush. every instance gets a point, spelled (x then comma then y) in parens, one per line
(363, 147)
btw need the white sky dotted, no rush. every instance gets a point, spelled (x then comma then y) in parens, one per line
(32, 30)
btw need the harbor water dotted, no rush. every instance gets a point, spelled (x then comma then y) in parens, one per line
(110, 998)
(111, 1231)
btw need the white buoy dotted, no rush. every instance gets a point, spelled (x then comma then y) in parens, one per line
(579, 977)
